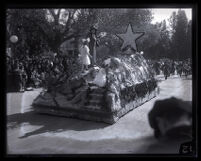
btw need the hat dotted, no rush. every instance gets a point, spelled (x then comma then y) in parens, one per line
(85, 40)
(94, 27)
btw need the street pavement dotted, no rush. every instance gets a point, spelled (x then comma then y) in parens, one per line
(32, 133)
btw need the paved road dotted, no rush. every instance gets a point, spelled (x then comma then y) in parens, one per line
(31, 133)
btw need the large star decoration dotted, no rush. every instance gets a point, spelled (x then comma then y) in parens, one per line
(129, 38)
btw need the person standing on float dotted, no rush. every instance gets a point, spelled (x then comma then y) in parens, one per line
(93, 43)
(84, 55)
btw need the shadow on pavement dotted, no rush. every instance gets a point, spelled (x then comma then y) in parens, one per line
(50, 123)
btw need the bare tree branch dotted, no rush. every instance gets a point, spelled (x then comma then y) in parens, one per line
(55, 16)
(69, 21)
(58, 14)
(52, 13)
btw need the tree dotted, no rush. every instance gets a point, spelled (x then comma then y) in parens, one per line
(164, 42)
(173, 21)
(114, 21)
(179, 35)
(30, 40)
(52, 26)
(49, 28)
(189, 40)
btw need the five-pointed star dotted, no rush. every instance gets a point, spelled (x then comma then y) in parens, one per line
(130, 37)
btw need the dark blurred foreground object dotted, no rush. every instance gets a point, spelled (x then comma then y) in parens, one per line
(171, 118)
(13, 82)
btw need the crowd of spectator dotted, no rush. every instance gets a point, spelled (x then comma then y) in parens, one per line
(27, 72)
(169, 67)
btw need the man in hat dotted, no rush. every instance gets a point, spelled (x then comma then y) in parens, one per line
(93, 43)
(166, 70)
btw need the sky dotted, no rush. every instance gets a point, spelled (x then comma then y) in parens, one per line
(161, 14)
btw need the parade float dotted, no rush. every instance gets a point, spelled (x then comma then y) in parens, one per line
(104, 93)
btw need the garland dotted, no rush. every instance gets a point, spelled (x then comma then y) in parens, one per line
(139, 90)
(151, 84)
